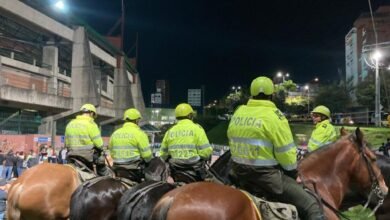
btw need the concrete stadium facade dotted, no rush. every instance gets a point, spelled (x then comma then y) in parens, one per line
(53, 68)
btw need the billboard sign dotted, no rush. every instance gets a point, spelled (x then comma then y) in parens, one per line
(195, 97)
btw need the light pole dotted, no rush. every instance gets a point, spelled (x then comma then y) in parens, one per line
(307, 88)
(377, 56)
(283, 76)
(236, 88)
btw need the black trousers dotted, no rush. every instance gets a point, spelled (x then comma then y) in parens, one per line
(274, 185)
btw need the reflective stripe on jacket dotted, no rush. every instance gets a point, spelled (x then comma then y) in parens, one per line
(82, 133)
(129, 143)
(323, 134)
(259, 135)
(186, 142)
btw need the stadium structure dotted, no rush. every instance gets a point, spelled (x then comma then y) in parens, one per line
(50, 65)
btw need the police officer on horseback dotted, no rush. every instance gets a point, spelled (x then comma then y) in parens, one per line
(129, 146)
(324, 132)
(186, 146)
(83, 138)
(264, 153)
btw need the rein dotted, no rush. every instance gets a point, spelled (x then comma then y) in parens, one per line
(318, 197)
(375, 189)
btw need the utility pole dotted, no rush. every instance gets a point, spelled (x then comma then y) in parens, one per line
(123, 25)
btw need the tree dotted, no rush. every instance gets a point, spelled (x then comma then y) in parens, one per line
(281, 91)
(365, 92)
(334, 96)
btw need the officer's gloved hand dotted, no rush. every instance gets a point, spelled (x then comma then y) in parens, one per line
(291, 173)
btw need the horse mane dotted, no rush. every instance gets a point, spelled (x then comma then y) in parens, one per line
(138, 202)
(313, 156)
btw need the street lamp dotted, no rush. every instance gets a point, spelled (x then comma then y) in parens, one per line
(236, 88)
(283, 76)
(376, 56)
(307, 88)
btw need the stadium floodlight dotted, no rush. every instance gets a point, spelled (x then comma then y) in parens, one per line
(60, 5)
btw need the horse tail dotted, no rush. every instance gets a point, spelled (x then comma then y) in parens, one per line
(13, 211)
(160, 212)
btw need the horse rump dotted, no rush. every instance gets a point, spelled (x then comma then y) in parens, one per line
(96, 199)
(139, 201)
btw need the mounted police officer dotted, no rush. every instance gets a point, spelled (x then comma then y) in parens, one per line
(129, 146)
(83, 138)
(324, 132)
(264, 153)
(186, 146)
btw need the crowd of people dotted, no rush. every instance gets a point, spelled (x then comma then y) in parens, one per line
(13, 164)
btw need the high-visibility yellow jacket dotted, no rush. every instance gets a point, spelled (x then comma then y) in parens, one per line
(129, 143)
(186, 142)
(82, 133)
(323, 134)
(259, 135)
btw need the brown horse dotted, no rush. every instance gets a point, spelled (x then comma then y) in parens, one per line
(42, 192)
(204, 200)
(330, 172)
(354, 198)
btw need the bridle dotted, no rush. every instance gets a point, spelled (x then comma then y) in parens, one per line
(375, 188)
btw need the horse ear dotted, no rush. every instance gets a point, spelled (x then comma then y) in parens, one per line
(359, 137)
(343, 131)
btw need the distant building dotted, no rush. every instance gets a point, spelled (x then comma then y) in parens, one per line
(195, 97)
(360, 43)
(162, 87)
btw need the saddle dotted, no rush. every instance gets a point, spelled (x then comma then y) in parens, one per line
(82, 167)
(184, 173)
(273, 210)
(134, 175)
(188, 173)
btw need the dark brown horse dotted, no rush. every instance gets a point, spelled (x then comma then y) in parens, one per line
(97, 199)
(330, 172)
(42, 192)
(138, 202)
(383, 212)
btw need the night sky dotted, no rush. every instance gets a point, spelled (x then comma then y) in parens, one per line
(220, 43)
